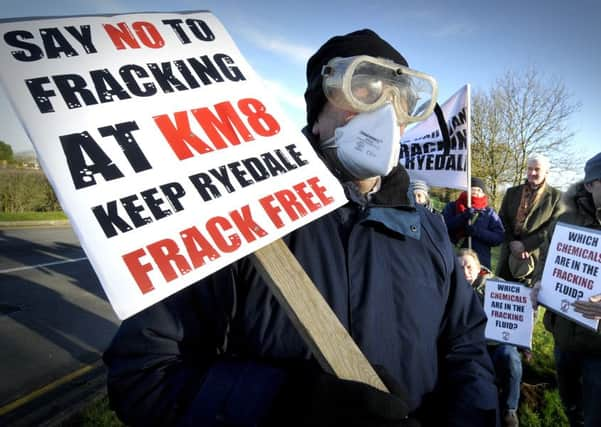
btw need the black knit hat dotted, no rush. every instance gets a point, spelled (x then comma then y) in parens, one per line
(592, 168)
(478, 182)
(362, 42)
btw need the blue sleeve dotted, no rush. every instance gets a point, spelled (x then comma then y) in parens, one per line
(489, 230)
(166, 365)
(453, 220)
(467, 374)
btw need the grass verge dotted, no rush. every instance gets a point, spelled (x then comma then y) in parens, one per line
(33, 216)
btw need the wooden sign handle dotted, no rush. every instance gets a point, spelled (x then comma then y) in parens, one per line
(330, 343)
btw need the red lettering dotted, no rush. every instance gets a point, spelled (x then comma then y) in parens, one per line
(180, 135)
(290, 203)
(148, 34)
(306, 197)
(271, 210)
(164, 252)
(120, 35)
(260, 121)
(215, 227)
(320, 191)
(138, 270)
(213, 126)
(198, 247)
(246, 224)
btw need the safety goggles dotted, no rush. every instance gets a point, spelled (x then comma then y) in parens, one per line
(364, 83)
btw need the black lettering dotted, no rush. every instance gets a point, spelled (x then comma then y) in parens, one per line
(175, 24)
(55, 43)
(275, 168)
(200, 29)
(40, 95)
(109, 218)
(107, 86)
(165, 78)
(82, 174)
(204, 185)
(71, 85)
(122, 132)
(127, 74)
(133, 210)
(154, 203)
(233, 73)
(174, 191)
(85, 37)
(29, 52)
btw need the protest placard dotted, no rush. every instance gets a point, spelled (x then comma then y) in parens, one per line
(571, 271)
(166, 152)
(423, 149)
(510, 314)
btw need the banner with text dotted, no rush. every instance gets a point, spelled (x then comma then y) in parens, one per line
(166, 152)
(510, 314)
(422, 146)
(571, 271)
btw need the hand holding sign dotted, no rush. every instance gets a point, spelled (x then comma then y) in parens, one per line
(590, 309)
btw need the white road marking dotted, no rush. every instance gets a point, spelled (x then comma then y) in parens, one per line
(47, 264)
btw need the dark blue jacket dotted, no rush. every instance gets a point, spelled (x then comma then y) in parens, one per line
(487, 231)
(215, 350)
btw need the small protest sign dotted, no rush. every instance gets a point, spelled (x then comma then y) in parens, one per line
(509, 311)
(422, 146)
(571, 271)
(166, 152)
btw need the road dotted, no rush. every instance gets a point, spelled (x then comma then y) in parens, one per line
(54, 317)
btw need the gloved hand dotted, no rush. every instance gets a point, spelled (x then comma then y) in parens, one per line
(314, 398)
(468, 213)
(469, 230)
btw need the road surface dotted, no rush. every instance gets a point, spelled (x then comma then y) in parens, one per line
(54, 317)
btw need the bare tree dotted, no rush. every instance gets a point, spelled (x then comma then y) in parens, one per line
(491, 155)
(522, 114)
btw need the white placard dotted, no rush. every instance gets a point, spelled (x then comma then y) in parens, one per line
(571, 271)
(167, 153)
(509, 311)
(422, 147)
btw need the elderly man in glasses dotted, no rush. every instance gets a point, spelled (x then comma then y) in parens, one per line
(223, 352)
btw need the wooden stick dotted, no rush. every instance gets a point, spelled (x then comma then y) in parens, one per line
(330, 343)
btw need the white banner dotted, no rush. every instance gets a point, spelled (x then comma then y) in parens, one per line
(166, 152)
(510, 314)
(571, 271)
(422, 146)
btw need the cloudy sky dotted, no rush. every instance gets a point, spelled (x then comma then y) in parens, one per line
(457, 42)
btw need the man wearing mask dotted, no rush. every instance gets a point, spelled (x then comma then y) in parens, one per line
(223, 352)
(527, 211)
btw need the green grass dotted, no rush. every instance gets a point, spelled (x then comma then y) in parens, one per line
(540, 405)
(97, 414)
(32, 216)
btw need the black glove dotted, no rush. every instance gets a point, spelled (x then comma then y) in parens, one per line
(468, 213)
(314, 398)
(469, 230)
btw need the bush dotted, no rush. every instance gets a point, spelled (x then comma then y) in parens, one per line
(26, 190)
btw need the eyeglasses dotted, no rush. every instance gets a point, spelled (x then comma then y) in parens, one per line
(363, 83)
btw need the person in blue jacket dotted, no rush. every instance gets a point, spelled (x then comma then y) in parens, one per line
(223, 352)
(478, 223)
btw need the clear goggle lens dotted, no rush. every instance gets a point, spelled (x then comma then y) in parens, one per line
(363, 83)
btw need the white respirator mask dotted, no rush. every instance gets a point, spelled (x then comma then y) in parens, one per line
(368, 145)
